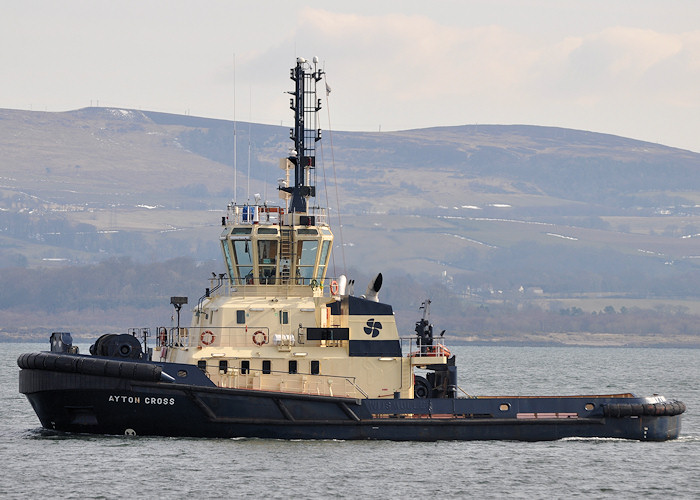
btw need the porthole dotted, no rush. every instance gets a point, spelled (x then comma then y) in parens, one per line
(589, 406)
(182, 373)
(504, 407)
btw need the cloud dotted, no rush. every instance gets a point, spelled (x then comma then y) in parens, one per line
(400, 65)
(411, 55)
(610, 63)
(407, 71)
(631, 51)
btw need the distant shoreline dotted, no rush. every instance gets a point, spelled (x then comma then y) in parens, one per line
(551, 340)
(580, 340)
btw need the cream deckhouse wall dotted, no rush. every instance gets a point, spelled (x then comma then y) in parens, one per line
(374, 376)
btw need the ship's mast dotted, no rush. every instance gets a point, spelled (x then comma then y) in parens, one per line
(305, 134)
(265, 245)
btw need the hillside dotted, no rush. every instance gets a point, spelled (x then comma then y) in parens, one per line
(145, 180)
(506, 213)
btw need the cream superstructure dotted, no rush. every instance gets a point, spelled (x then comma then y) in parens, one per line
(275, 321)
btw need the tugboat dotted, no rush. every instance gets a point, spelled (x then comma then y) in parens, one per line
(278, 349)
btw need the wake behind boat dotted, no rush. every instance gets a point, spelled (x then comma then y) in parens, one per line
(279, 349)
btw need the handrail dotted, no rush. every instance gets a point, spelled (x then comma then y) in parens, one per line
(465, 393)
(268, 215)
(235, 373)
(435, 347)
(254, 288)
(190, 337)
(221, 280)
(350, 380)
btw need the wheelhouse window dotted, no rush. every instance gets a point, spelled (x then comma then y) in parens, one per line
(267, 261)
(227, 256)
(306, 252)
(243, 257)
(325, 247)
(240, 316)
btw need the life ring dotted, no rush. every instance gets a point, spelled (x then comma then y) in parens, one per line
(257, 340)
(207, 337)
(334, 287)
(439, 350)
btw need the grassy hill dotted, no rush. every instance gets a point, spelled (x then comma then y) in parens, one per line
(487, 212)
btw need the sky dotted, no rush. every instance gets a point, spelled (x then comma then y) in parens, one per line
(623, 67)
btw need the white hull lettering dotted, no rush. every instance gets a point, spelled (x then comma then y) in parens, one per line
(159, 401)
(137, 400)
(125, 399)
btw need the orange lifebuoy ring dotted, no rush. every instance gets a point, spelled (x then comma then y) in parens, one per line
(334, 287)
(434, 350)
(259, 341)
(207, 337)
(441, 350)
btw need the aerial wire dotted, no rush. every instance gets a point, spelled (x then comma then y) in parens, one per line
(335, 178)
(250, 113)
(235, 168)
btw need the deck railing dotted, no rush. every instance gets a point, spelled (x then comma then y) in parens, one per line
(279, 381)
(414, 347)
(252, 336)
(267, 215)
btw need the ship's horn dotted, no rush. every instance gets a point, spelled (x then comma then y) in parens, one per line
(372, 292)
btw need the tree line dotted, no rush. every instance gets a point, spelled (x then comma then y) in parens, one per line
(124, 288)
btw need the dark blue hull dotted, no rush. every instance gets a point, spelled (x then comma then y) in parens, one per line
(189, 405)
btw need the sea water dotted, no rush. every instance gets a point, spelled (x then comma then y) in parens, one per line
(42, 463)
